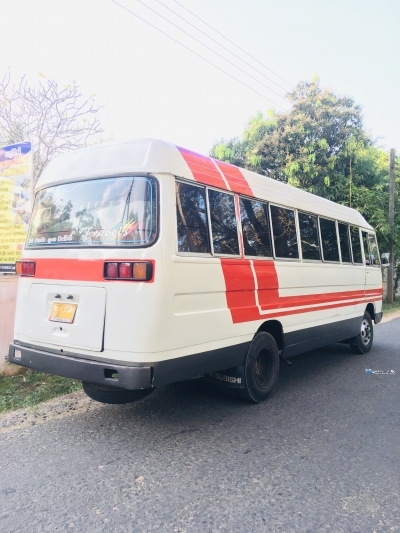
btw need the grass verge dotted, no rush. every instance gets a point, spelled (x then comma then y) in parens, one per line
(32, 388)
(391, 308)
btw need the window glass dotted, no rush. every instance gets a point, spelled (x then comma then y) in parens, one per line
(223, 222)
(284, 230)
(309, 236)
(364, 236)
(330, 247)
(373, 250)
(191, 213)
(356, 244)
(255, 227)
(344, 243)
(114, 212)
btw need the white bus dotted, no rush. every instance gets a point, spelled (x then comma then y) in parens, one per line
(147, 264)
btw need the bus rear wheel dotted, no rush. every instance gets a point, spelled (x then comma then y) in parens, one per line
(365, 338)
(113, 395)
(261, 369)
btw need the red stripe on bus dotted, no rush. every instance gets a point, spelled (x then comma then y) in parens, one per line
(70, 269)
(75, 269)
(235, 178)
(203, 169)
(241, 295)
(311, 309)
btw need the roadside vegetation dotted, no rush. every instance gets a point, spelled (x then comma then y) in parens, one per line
(391, 308)
(32, 388)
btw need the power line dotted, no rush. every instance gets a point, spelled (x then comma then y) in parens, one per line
(234, 44)
(219, 44)
(209, 48)
(195, 53)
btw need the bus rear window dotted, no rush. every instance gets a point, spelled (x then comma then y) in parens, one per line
(103, 212)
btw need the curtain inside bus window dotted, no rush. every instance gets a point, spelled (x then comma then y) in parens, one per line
(330, 247)
(373, 250)
(223, 223)
(255, 228)
(284, 231)
(309, 236)
(101, 212)
(191, 214)
(344, 242)
(356, 244)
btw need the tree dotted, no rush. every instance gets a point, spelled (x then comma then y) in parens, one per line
(241, 152)
(55, 118)
(319, 145)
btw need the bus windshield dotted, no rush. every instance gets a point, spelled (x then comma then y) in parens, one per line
(118, 211)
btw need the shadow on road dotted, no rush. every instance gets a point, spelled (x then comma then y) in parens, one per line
(197, 405)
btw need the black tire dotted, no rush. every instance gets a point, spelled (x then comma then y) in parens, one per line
(363, 341)
(261, 369)
(113, 395)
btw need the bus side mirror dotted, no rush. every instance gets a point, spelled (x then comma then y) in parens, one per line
(385, 259)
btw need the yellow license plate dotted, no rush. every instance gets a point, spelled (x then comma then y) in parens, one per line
(63, 312)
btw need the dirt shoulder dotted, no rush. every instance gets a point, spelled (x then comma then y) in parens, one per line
(390, 316)
(60, 407)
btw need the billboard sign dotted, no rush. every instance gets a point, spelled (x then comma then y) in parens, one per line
(15, 201)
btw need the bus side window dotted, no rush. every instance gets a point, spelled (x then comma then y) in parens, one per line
(356, 245)
(344, 242)
(373, 250)
(191, 213)
(223, 223)
(255, 227)
(309, 236)
(330, 247)
(284, 232)
(364, 236)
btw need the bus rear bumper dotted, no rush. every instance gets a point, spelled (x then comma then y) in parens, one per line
(110, 374)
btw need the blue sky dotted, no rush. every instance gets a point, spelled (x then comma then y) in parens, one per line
(150, 86)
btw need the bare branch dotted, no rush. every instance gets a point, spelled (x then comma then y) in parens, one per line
(56, 119)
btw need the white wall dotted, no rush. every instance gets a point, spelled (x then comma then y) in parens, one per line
(8, 295)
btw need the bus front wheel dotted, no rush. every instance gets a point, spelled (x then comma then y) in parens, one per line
(365, 338)
(113, 395)
(261, 369)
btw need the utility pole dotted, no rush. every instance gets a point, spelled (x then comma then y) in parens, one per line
(391, 224)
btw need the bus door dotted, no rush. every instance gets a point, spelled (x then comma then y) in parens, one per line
(373, 279)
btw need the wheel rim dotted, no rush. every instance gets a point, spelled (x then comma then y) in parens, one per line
(365, 332)
(263, 368)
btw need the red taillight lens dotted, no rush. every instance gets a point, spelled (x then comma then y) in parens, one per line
(112, 270)
(125, 270)
(138, 271)
(25, 268)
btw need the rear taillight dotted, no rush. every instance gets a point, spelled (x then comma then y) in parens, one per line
(25, 268)
(111, 270)
(132, 271)
(125, 270)
(141, 270)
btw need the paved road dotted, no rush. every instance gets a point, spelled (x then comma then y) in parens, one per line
(322, 455)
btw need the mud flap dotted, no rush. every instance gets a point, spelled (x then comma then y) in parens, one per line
(232, 377)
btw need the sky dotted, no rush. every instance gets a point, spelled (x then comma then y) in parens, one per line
(152, 86)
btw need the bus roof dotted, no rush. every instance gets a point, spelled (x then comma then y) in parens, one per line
(151, 156)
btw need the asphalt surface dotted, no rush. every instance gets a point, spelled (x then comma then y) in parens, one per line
(322, 455)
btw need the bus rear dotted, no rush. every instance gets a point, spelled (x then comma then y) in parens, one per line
(88, 277)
